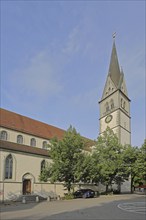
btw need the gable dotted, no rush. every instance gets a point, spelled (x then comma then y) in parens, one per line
(109, 88)
(123, 87)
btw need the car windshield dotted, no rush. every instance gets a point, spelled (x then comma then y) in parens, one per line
(85, 190)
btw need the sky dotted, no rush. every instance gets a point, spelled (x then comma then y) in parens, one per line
(55, 57)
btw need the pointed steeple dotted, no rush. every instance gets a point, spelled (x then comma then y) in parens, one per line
(114, 69)
(115, 79)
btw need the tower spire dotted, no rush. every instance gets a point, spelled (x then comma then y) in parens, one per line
(114, 69)
(114, 35)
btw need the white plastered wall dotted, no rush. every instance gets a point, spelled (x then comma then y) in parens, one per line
(12, 137)
(23, 164)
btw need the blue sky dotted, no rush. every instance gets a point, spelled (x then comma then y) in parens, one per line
(55, 57)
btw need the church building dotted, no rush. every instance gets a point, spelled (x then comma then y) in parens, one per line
(24, 153)
(24, 141)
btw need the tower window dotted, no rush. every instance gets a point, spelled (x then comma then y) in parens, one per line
(9, 167)
(124, 105)
(112, 104)
(107, 107)
(3, 135)
(19, 139)
(121, 102)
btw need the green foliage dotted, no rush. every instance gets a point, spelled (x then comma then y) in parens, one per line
(65, 154)
(108, 157)
(134, 163)
(109, 163)
(68, 196)
(139, 167)
(45, 173)
(86, 169)
(142, 163)
(118, 162)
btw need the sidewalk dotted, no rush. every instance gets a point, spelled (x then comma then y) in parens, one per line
(42, 210)
(102, 198)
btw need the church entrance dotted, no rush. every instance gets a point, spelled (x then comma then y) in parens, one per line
(26, 186)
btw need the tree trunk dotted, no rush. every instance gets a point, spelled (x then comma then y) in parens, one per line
(69, 188)
(132, 179)
(106, 188)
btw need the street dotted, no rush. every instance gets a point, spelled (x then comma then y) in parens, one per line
(113, 207)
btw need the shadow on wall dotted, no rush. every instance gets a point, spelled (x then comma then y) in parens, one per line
(46, 194)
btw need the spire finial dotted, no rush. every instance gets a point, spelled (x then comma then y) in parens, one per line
(114, 35)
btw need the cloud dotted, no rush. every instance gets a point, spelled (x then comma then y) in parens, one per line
(134, 70)
(86, 100)
(79, 39)
(72, 44)
(38, 78)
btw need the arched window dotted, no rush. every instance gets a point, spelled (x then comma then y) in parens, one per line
(9, 167)
(44, 145)
(3, 135)
(19, 139)
(43, 165)
(122, 103)
(33, 142)
(107, 107)
(112, 104)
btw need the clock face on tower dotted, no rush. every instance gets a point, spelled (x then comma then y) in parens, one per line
(108, 118)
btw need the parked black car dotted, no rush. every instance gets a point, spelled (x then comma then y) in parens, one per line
(84, 193)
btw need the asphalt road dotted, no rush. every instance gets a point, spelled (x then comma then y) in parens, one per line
(113, 207)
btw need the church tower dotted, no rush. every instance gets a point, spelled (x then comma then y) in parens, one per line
(115, 104)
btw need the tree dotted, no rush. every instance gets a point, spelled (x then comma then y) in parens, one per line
(86, 170)
(65, 154)
(138, 171)
(108, 157)
(141, 162)
(134, 163)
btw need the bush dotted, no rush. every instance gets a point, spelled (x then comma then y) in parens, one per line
(68, 196)
(116, 191)
(97, 194)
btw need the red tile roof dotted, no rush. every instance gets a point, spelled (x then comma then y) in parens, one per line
(6, 145)
(27, 125)
(141, 186)
(17, 122)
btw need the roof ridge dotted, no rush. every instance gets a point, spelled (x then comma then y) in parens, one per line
(12, 112)
(25, 124)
